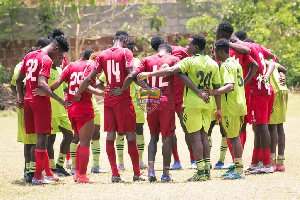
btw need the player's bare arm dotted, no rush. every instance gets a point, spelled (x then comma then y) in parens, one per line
(160, 73)
(20, 85)
(239, 48)
(94, 91)
(218, 113)
(43, 85)
(253, 68)
(187, 81)
(86, 82)
(271, 67)
(53, 86)
(99, 84)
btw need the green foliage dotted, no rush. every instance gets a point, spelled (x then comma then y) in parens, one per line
(273, 24)
(4, 74)
(149, 12)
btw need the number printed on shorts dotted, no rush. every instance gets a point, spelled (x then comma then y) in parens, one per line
(76, 78)
(113, 69)
(32, 65)
(160, 79)
(203, 80)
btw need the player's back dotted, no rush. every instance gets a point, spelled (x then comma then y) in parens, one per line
(114, 62)
(234, 102)
(202, 71)
(35, 63)
(165, 84)
(179, 52)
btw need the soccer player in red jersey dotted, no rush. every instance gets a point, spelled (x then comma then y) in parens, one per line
(181, 53)
(81, 113)
(119, 115)
(37, 109)
(249, 66)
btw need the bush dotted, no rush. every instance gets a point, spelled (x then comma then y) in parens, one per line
(5, 74)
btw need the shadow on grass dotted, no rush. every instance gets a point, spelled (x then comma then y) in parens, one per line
(23, 183)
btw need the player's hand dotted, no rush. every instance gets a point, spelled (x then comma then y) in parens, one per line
(77, 97)
(282, 80)
(204, 95)
(209, 91)
(116, 91)
(38, 92)
(107, 88)
(65, 103)
(19, 104)
(143, 75)
(218, 115)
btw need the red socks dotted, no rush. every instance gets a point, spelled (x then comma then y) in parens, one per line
(134, 155)
(266, 156)
(256, 156)
(191, 154)
(47, 165)
(84, 154)
(175, 154)
(68, 157)
(111, 154)
(39, 160)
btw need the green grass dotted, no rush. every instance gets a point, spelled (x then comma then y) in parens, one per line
(285, 185)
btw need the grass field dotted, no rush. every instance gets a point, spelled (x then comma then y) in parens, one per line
(280, 185)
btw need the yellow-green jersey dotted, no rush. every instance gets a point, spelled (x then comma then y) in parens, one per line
(274, 79)
(16, 73)
(95, 105)
(233, 103)
(202, 71)
(57, 109)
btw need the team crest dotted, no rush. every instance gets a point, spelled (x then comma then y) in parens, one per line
(148, 99)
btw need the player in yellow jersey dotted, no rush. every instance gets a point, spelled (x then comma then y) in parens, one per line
(278, 115)
(202, 71)
(233, 103)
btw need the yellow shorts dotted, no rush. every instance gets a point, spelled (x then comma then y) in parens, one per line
(140, 115)
(97, 119)
(22, 136)
(232, 125)
(278, 114)
(196, 118)
(63, 122)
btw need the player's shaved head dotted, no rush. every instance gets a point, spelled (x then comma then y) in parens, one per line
(156, 41)
(119, 33)
(42, 42)
(241, 34)
(165, 47)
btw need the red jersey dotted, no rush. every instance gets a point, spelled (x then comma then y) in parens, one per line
(114, 62)
(73, 75)
(259, 54)
(181, 53)
(166, 84)
(34, 64)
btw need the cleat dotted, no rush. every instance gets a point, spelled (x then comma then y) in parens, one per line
(219, 165)
(61, 170)
(176, 166)
(266, 169)
(167, 178)
(193, 165)
(84, 179)
(29, 177)
(229, 171)
(117, 179)
(253, 167)
(54, 177)
(39, 181)
(143, 165)
(140, 178)
(76, 175)
(121, 167)
(198, 177)
(234, 176)
(207, 174)
(72, 171)
(97, 170)
(151, 176)
(69, 164)
(280, 168)
(228, 166)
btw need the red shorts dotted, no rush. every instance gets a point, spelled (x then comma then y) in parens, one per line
(178, 107)
(162, 121)
(261, 108)
(78, 122)
(37, 116)
(120, 118)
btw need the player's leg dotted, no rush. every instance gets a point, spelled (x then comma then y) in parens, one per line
(120, 150)
(50, 150)
(274, 142)
(73, 148)
(140, 143)
(281, 146)
(223, 148)
(95, 145)
(166, 152)
(177, 164)
(85, 135)
(152, 149)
